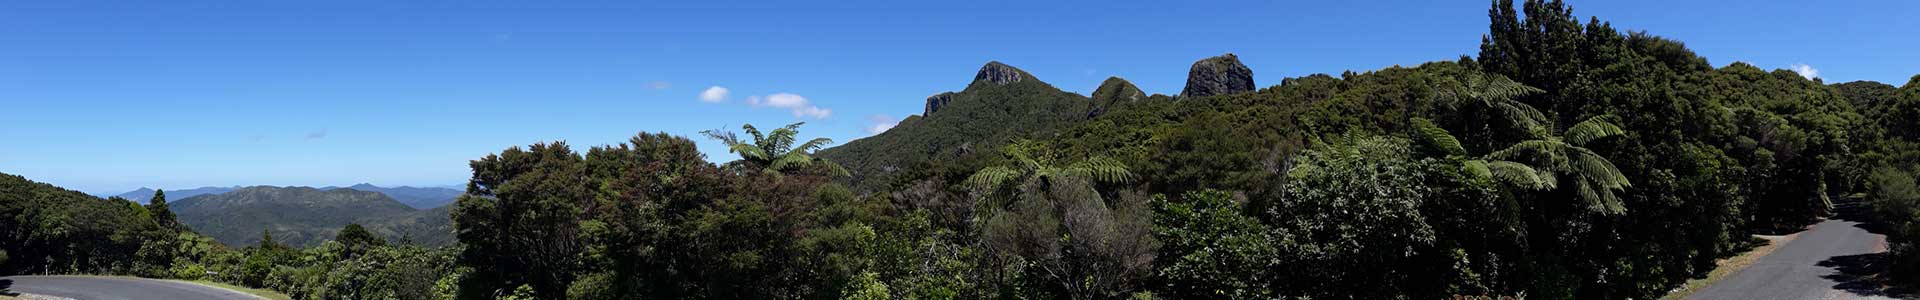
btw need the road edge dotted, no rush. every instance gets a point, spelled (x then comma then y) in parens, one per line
(255, 293)
(1728, 266)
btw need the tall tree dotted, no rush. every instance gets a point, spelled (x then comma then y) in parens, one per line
(162, 214)
(1542, 48)
(520, 220)
(358, 240)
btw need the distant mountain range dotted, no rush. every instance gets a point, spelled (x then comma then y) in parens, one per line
(305, 216)
(143, 194)
(415, 197)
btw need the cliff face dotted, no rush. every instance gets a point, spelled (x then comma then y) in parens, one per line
(1219, 75)
(937, 101)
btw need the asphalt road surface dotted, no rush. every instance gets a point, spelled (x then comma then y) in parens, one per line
(1834, 260)
(119, 288)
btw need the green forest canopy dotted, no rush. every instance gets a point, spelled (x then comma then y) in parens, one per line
(1566, 160)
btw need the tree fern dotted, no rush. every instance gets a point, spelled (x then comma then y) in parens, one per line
(774, 152)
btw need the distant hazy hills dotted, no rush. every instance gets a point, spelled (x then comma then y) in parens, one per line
(143, 194)
(304, 216)
(416, 197)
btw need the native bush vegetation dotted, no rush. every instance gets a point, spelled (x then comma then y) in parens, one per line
(1565, 160)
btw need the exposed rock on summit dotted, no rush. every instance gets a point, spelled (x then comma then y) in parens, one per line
(999, 73)
(1219, 75)
(937, 101)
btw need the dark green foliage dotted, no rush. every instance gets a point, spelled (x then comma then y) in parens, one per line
(1213, 251)
(357, 240)
(1895, 204)
(162, 215)
(521, 218)
(51, 230)
(1114, 91)
(1567, 160)
(1352, 213)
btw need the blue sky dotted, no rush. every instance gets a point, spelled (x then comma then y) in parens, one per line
(108, 96)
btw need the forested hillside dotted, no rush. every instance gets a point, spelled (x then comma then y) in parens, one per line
(305, 217)
(1000, 104)
(1566, 159)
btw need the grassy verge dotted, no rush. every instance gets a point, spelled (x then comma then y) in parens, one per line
(256, 292)
(1730, 265)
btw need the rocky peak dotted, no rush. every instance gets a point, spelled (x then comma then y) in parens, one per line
(1115, 89)
(1219, 75)
(999, 73)
(937, 101)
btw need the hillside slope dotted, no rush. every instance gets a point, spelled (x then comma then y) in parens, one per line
(1002, 103)
(298, 216)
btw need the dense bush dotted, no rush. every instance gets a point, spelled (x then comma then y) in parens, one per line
(1566, 160)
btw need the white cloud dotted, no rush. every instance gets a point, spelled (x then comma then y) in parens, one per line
(1806, 71)
(813, 111)
(714, 94)
(800, 106)
(880, 123)
(786, 100)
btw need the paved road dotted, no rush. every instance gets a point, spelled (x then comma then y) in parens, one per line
(1834, 260)
(119, 288)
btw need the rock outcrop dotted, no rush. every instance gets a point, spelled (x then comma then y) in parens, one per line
(999, 73)
(937, 101)
(1219, 75)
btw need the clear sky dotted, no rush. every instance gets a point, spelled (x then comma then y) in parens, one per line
(108, 96)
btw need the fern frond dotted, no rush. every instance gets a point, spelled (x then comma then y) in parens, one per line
(1477, 168)
(1438, 137)
(791, 162)
(758, 138)
(1099, 169)
(811, 146)
(1592, 129)
(1517, 174)
(1520, 114)
(990, 178)
(1597, 168)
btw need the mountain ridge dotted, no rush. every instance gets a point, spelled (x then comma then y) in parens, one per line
(425, 197)
(303, 216)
